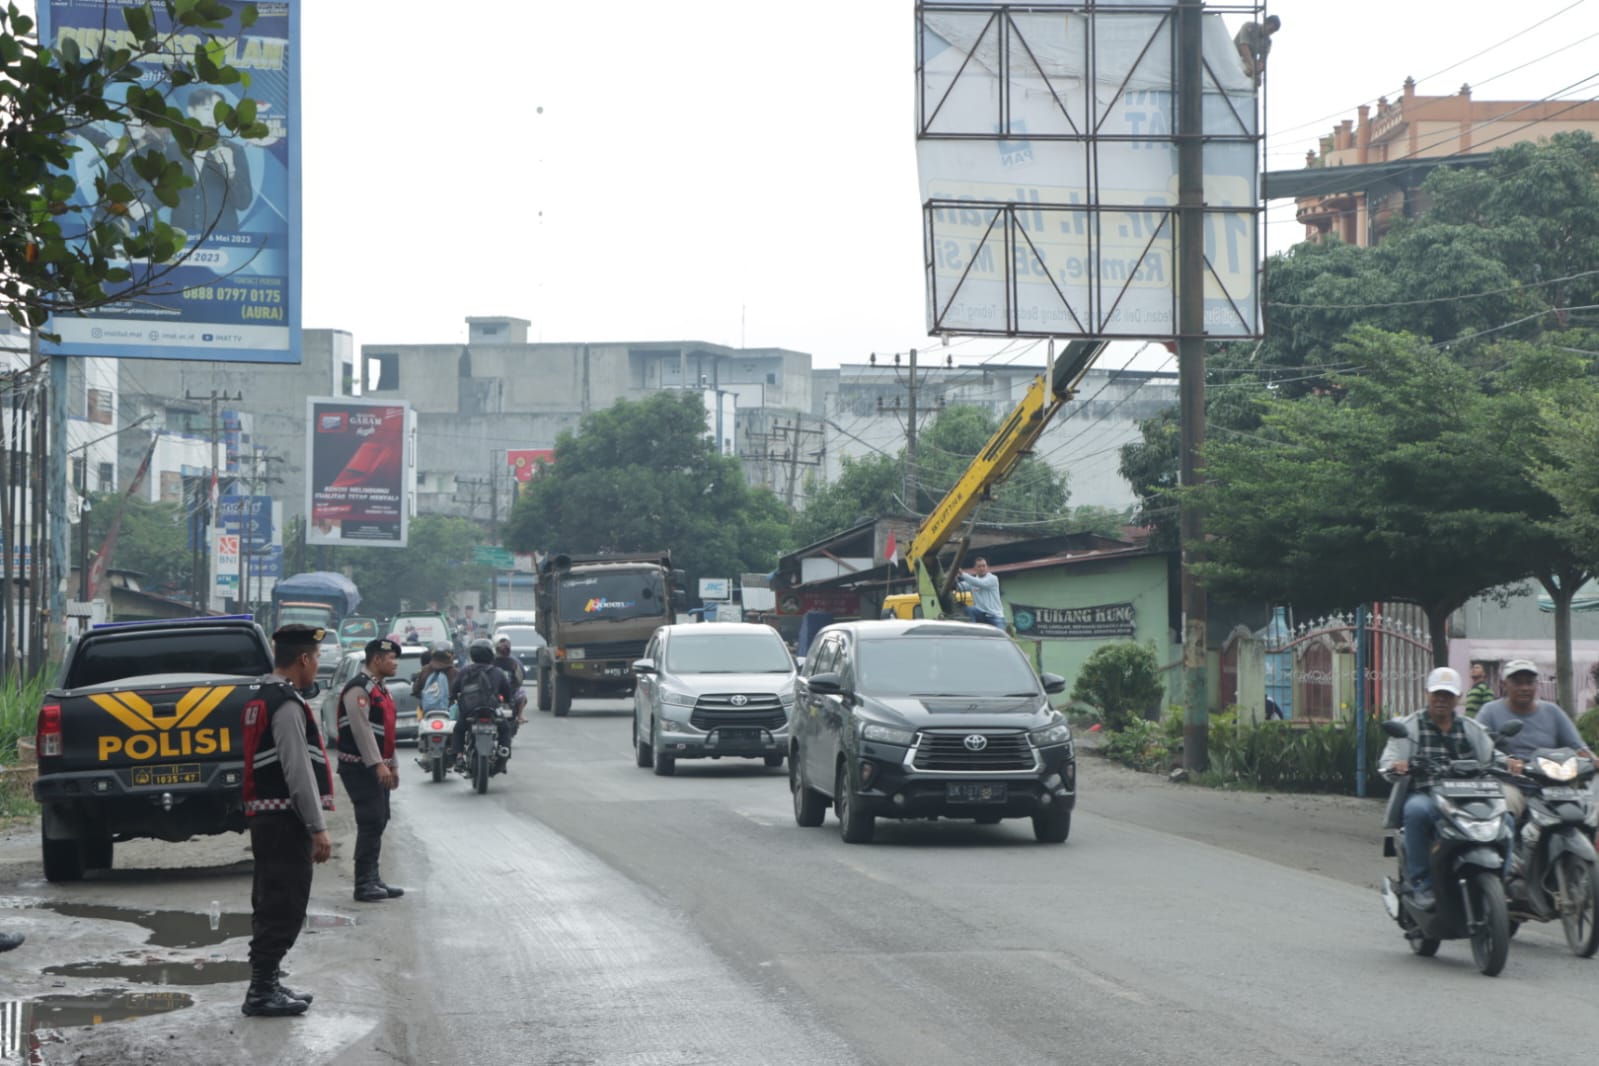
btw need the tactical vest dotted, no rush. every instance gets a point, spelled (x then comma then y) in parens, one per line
(381, 712)
(266, 788)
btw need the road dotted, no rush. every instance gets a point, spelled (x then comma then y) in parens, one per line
(586, 911)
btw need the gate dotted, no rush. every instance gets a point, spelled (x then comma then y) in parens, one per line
(1322, 670)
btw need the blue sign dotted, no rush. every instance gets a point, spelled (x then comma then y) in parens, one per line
(234, 295)
(248, 516)
(265, 562)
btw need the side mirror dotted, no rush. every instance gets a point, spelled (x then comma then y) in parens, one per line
(316, 690)
(828, 684)
(1053, 683)
(1394, 727)
(643, 666)
(1512, 727)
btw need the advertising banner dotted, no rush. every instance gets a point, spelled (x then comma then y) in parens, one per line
(524, 462)
(248, 516)
(225, 550)
(360, 469)
(1104, 621)
(235, 297)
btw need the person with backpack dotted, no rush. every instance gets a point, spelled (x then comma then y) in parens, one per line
(431, 685)
(480, 688)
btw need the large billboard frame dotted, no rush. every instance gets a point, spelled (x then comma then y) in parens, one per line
(384, 484)
(1035, 223)
(235, 296)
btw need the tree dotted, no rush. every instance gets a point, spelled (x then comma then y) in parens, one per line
(645, 476)
(65, 247)
(152, 539)
(435, 563)
(1122, 680)
(866, 488)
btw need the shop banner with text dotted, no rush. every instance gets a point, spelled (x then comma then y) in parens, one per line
(1104, 621)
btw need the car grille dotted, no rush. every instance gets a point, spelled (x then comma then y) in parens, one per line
(948, 751)
(612, 649)
(764, 710)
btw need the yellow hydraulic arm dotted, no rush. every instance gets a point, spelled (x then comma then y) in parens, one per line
(1009, 444)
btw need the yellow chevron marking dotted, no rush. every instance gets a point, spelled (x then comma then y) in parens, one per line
(132, 717)
(203, 701)
(135, 712)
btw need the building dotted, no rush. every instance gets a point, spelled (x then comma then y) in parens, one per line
(1369, 171)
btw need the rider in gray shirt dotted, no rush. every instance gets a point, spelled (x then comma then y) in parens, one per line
(1543, 725)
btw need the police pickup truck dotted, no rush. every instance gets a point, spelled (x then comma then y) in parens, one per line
(141, 737)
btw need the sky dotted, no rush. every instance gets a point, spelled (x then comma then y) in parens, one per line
(735, 171)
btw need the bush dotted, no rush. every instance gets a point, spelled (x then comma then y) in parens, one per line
(1319, 757)
(19, 711)
(1588, 726)
(1123, 681)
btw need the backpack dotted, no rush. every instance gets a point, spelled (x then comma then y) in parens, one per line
(479, 694)
(436, 692)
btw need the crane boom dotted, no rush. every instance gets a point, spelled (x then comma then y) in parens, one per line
(1012, 441)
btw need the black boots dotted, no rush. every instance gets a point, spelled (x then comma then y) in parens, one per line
(265, 998)
(368, 889)
(307, 997)
(377, 877)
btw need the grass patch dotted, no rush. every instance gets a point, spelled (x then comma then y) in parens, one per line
(20, 699)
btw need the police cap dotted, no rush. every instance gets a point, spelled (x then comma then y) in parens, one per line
(298, 635)
(381, 646)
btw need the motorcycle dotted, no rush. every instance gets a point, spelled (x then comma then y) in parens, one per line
(1467, 860)
(433, 742)
(484, 755)
(1555, 871)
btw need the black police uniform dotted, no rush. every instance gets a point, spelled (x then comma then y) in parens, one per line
(370, 798)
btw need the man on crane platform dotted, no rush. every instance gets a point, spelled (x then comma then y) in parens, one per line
(986, 605)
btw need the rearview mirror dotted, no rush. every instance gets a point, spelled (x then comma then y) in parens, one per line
(1053, 683)
(1511, 728)
(1394, 727)
(827, 684)
(316, 690)
(643, 666)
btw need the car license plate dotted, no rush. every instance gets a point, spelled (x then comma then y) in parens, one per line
(164, 776)
(974, 792)
(742, 735)
(1563, 793)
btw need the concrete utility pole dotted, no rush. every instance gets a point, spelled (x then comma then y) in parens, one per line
(211, 524)
(60, 564)
(1191, 366)
(910, 440)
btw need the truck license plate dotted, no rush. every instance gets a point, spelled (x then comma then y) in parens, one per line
(165, 776)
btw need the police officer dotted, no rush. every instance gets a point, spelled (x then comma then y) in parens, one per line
(367, 765)
(287, 785)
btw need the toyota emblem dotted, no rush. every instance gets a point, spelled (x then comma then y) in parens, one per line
(739, 701)
(976, 742)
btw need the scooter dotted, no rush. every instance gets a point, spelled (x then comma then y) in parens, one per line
(1555, 871)
(484, 755)
(433, 742)
(1467, 861)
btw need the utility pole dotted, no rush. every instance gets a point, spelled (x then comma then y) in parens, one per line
(910, 441)
(1191, 368)
(213, 490)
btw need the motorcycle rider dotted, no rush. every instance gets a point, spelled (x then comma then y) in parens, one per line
(481, 652)
(512, 667)
(1543, 725)
(431, 685)
(1433, 735)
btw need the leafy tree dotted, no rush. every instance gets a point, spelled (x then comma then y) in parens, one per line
(1122, 679)
(645, 477)
(64, 247)
(867, 488)
(435, 563)
(153, 539)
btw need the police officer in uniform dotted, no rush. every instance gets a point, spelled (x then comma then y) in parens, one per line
(367, 765)
(288, 783)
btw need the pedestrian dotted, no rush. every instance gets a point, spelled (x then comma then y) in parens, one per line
(287, 785)
(1253, 42)
(986, 605)
(367, 765)
(1479, 693)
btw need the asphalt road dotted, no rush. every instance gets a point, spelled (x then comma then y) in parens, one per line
(586, 911)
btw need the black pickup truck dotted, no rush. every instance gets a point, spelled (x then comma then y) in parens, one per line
(141, 737)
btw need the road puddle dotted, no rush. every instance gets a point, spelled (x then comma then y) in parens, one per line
(25, 1024)
(159, 972)
(184, 929)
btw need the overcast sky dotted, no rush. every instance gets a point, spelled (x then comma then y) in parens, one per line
(735, 171)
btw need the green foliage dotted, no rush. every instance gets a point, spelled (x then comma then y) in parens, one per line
(65, 248)
(1033, 494)
(19, 711)
(1142, 744)
(436, 562)
(645, 477)
(1289, 757)
(1123, 680)
(866, 488)
(153, 539)
(1588, 726)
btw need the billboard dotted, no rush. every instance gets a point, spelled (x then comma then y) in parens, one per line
(525, 462)
(361, 472)
(236, 297)
(1047, 155)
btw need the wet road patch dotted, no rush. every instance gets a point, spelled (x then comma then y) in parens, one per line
(183, 929)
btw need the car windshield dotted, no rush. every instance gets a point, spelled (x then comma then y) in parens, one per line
(406, 668)
(727, 653)
(612, 597)
(430, 629)
(943, 666)
(519, 636)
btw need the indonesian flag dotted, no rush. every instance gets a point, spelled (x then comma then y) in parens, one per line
(892, 554)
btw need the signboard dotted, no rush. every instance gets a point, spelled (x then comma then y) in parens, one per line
(1047, 153)
(525, 462)
(236, 295)
(360, 469)
(498, 558)
(248, 516)
(1105, 621)
(225, 550)
(837, 603)
(716, 588)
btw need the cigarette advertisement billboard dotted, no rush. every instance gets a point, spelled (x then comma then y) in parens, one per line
(235, 295)
(361, 472)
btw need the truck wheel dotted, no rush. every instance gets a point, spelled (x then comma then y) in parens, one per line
(562, 696)
(544, 689)
(63, 860)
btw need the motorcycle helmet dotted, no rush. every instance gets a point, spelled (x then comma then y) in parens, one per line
(481, 651)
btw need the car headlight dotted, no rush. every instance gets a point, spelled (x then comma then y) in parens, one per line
(883, 734)
(786, 697)
(1558, 771)
(673, 698)
(1050, 735)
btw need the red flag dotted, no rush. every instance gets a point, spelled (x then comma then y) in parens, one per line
(892, 554)
(103, 560)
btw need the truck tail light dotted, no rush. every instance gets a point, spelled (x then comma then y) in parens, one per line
(48, 738)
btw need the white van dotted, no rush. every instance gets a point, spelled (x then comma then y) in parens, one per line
(510, 617)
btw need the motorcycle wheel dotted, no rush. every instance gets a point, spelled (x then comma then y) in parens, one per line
(1426, 947)
(1490, 941)
(481, 767)
(1579, 911)
(438, 769)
